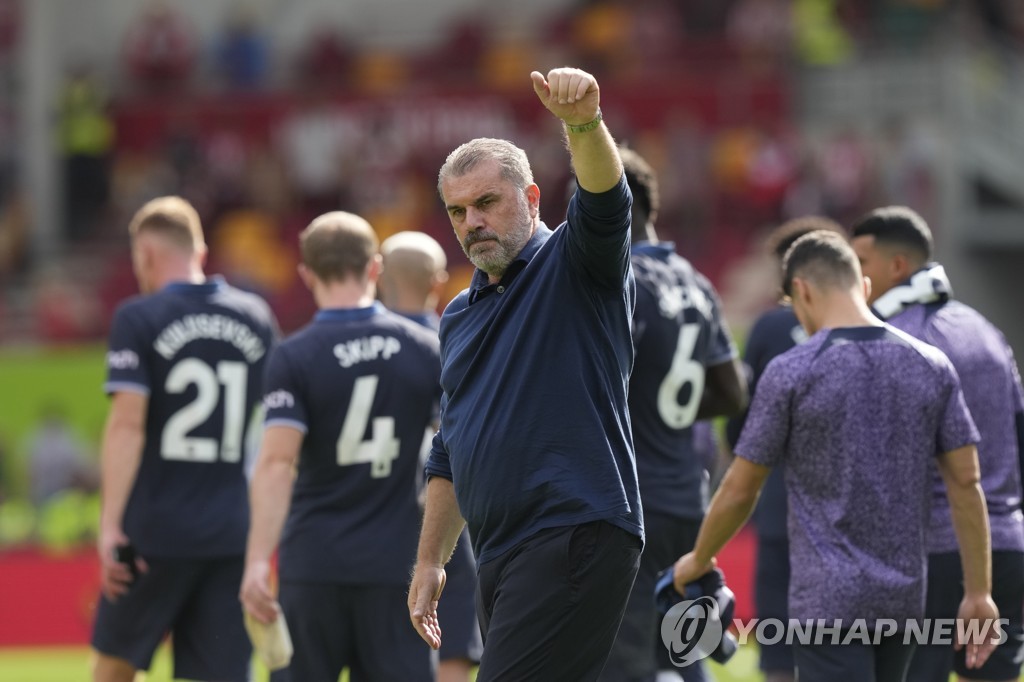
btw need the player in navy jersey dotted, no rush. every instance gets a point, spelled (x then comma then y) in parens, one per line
(773, 333)
(348, 399)
(534, 450)
(912, 292)
(857, 413)
(686, 368)
(184, 372)
(415, 273)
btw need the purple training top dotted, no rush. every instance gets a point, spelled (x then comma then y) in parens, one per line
(857, 414)
(992, 391)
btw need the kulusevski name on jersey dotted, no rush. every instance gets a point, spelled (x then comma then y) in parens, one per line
(362, 385)
(678, 333)
(209, 326)
(198, 351)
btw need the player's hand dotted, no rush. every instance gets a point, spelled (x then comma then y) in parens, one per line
(115, 576)
(981, 636)
(570, 94)
(424, 593)
(687, 569)
(255, 593)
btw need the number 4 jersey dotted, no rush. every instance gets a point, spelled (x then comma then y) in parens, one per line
(362, 384)
(199, 352)
(678, 333)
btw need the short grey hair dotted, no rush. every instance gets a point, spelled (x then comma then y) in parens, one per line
(515, 167)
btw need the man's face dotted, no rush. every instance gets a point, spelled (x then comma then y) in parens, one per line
(493, 220)
(876, 264)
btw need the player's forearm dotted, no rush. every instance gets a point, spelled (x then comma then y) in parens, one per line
(595, 159)
(120, 457)
(970, 521)
(442, 523)
(270, 493)
(730, 508)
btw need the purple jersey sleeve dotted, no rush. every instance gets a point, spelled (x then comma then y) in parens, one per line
(283, 397)
(957, 428)
(1018, 392)
(126, 356)
(766, 432)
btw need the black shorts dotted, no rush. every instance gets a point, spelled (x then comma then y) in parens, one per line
(194, 600)
(457, 609)
(638, 652)
(886, 661)
(771, 599)
(550, 607)
(362, 627)
(945, 590)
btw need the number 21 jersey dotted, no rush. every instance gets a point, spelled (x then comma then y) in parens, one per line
(198, 351)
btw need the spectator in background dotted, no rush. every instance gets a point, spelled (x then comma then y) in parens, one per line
(312, 140)
(761, 32)
(327, 59)
(159, 49)
(58, 460)
(243, 49)
(86, 138)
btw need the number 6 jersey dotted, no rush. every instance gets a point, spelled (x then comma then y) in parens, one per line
(678, 334)
(362, 385)
(198, 351)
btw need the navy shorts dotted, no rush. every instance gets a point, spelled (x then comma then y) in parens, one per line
(460, 637)
(362, 627)
(638, 652)
(771, 599)
(550, 606)
(945, 591)
(886, 661)
(193, 600)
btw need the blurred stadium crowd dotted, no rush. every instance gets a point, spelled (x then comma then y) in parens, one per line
(261, 140)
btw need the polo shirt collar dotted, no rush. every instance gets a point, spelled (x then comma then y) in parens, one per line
(480, 284)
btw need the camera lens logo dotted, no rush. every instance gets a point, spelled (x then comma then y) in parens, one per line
(691, 631)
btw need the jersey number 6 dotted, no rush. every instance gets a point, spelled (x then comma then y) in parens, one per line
(684, 370)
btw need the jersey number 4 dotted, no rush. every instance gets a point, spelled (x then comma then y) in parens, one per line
(382, 448)
(684, 370)
(176, 443)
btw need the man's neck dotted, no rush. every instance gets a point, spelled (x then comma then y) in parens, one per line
(347, 294)
(841, 311)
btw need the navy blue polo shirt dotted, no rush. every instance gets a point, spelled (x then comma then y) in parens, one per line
(535, 429)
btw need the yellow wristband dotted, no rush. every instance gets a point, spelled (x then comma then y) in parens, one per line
(586, 127)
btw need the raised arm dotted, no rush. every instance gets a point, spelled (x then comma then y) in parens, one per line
(574, 97)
